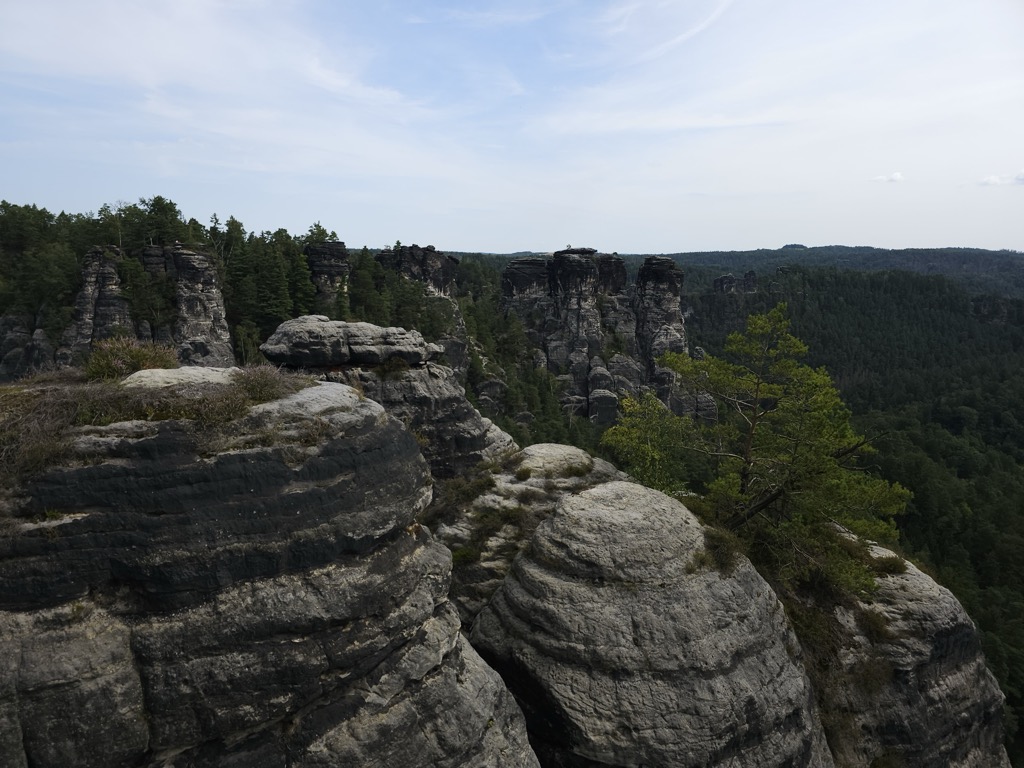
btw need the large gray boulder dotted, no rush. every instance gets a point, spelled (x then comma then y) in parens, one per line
(911, 686)
(258, 595)
(316, 341)
(626, 649)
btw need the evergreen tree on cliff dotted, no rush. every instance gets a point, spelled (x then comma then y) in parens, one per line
(781, 467)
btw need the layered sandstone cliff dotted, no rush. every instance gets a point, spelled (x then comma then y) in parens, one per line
(257, 596)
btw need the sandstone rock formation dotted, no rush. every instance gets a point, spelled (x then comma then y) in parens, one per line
(23, 347)
(329, 268)
(600, 334)
(197, 326)
(257, 596)
(101, 309)
(432, 267)
(396, 368)
(436, 270)
(624, 648)
(516, 494)
(200, 330)
(913, 688)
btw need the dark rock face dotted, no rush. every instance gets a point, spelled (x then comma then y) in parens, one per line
(579, 309)
(329, 268)
(624, 650)
(428, 265)
(729, 284)
(22, 350)
(395, 368)
(233, 601)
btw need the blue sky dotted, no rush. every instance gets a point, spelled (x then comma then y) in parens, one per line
(624, 125)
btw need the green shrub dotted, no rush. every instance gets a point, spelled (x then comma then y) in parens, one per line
(120, 356)
(723, 547)
(392, 368)
(888, 566)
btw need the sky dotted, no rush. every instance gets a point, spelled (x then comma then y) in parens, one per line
(636, 126)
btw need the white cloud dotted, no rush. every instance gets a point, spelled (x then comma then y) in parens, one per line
(891, 178)
(1001, 181)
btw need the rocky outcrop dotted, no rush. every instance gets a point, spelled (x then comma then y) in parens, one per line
(101, 309)
(24, 347)
(258, 595)
(436, 271)
(200, 329)
(625, 649)
(514, 496)
(912, 688)
(193, 322)
(329, 268)
(729, 284)
(396, 368)
(428, 265)
(579, 308)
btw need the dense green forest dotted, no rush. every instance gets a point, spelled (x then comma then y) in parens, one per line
(1000, 273)
(936, 376)
(931, 365)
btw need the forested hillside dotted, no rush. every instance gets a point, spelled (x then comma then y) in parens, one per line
(936, 375)
(1000, 273)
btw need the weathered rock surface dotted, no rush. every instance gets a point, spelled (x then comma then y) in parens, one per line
(22, 349)
(329, 268)
(101, 310)
(913, 687)
(436, 271)
(516, 495)
(623, 650)
(433, 268)
(197, 327)
(394, 367)
(257, 597)
(578, 308)
(201, 331)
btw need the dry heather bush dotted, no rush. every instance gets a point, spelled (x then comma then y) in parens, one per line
(120, 356)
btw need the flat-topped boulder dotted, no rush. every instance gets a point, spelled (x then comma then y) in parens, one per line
(316, 341)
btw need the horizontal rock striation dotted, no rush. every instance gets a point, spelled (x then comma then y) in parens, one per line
(518, 493)
(260, 596)
(624, 649)
(912, 687)
(396, 368)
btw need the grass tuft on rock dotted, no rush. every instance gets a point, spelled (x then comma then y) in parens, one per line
(37, 415)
